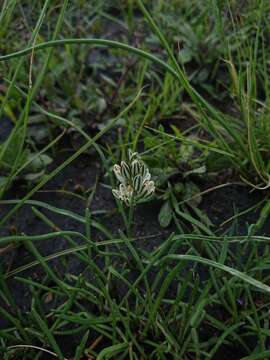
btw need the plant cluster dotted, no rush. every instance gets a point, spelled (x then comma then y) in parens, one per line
(187, 84)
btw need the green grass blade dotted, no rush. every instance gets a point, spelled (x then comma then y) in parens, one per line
(246, 278)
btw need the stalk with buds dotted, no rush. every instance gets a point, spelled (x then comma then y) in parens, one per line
(135, 180)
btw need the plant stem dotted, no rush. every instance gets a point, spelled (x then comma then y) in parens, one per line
(130, 219)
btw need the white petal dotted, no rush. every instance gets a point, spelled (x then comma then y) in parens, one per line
(116, 193)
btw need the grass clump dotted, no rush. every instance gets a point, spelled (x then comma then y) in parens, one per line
(175, 265)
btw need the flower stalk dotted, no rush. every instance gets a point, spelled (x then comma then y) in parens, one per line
(135, 184)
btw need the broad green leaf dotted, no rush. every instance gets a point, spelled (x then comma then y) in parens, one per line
(111, 351)
(165, 214)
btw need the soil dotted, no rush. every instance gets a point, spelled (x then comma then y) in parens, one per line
(6, 127)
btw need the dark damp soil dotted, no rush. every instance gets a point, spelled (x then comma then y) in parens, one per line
(80, 176)
(6, 127)
(224, 203)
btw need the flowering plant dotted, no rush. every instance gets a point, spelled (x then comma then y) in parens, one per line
(135, 180)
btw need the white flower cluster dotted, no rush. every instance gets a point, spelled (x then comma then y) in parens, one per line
(135, 180)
